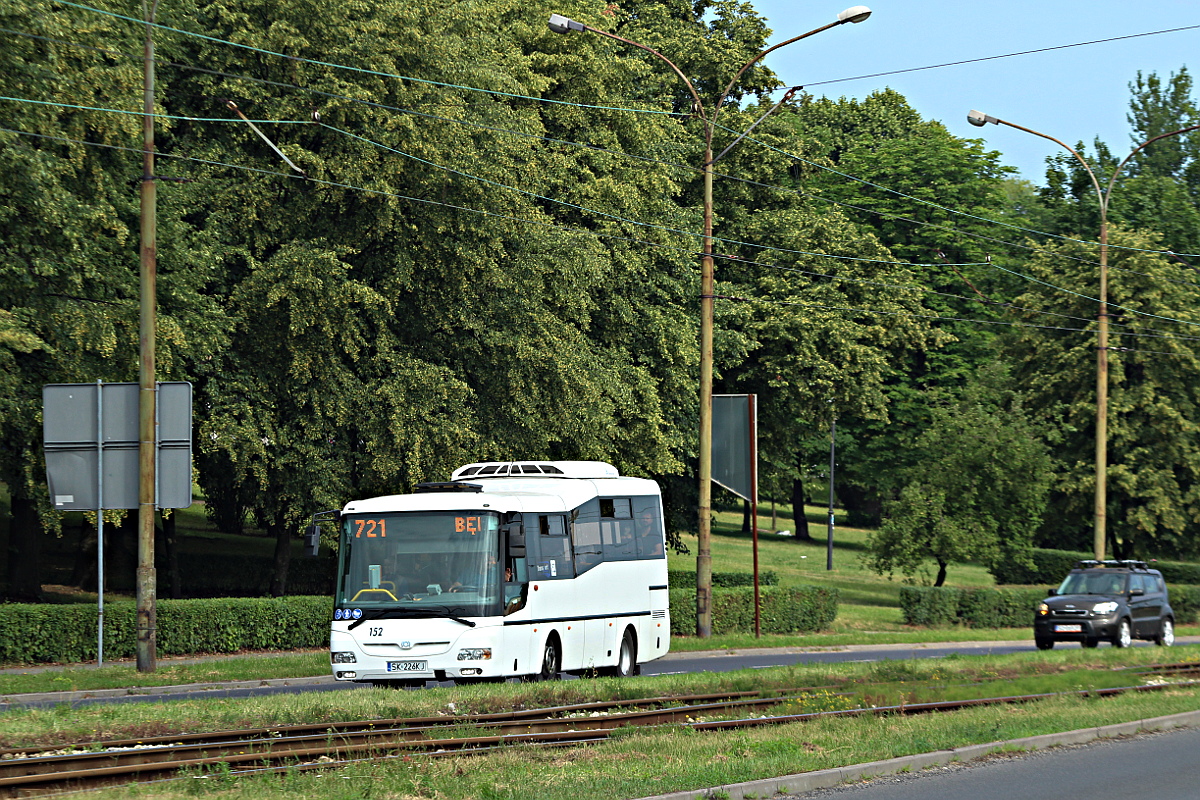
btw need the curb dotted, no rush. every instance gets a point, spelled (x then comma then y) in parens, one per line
(829, 778)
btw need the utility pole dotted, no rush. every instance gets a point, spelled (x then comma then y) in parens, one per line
(147, 322)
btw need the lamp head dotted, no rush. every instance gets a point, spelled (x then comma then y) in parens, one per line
(979, 119)
(854, 14)
(561, 24)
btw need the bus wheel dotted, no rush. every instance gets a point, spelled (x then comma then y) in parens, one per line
(627, 659)
(551, 662)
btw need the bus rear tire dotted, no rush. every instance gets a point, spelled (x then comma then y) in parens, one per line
(627, 665)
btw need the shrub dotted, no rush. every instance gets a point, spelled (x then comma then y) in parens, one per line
(686, 579)
(1051, 566)
(791, 610)
(37, 633)
(1007, 607)
(1185, 602)
(928, 606)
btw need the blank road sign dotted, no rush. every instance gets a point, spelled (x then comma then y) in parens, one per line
(84, 423)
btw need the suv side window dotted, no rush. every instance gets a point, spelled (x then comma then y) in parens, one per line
(1135, 582)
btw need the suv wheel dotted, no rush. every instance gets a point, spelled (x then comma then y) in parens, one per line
(1166, 634)
(1124, 636)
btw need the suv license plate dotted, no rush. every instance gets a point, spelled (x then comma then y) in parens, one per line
(1059, 629)
(406, 666)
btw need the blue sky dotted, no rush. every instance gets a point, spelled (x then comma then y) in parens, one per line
(1073, 94)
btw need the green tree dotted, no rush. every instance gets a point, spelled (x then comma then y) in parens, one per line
(1154, 464)
(976, 490)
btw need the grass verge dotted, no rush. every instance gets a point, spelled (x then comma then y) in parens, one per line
(641, 762)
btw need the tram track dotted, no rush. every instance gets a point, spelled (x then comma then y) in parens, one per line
(32, 772)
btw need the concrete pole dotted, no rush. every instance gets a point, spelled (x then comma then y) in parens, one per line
(147, 432)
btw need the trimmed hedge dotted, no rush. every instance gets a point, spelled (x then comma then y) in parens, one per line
(686, 579)
(1051, 566)
(930, 606)
(1009, 607)
(791, 610)
(1185, 602)
(40, 633)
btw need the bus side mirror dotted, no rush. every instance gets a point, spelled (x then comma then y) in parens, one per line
(312, 539)
(514, 529)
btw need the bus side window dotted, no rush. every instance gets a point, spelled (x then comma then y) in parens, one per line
(552, 559)
(585, 536)
(616, 527)
(648, 529)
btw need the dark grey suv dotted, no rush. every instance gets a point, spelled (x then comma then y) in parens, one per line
(1115, 601)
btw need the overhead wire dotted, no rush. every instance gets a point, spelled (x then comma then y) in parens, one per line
(689, 168)
(651, 111)
(545, 224)
(363, 70)
(747, 244)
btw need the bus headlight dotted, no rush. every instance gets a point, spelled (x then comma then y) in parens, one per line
(343, 658)
(475, 654)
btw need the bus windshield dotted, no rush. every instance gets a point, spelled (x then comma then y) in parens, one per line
(441, 562)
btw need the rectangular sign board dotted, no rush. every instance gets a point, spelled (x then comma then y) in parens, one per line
(85, 425)
(734, 443)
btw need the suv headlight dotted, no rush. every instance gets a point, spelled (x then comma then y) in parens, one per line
(475, 654)
(343, 658)
(1043, 609)
(1105, 608)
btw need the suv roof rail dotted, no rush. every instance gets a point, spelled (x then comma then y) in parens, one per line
(1111, 563)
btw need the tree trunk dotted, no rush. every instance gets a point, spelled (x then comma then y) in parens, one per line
(283, 554)
(801, 520)
(24, 550)
(83, 574)
(941, 576)
(169, 547)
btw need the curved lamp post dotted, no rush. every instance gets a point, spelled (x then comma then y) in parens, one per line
(979, 119)
(561, 24)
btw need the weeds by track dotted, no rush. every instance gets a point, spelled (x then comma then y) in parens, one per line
(88, 765)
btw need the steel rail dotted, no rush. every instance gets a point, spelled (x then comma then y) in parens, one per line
(44, 774)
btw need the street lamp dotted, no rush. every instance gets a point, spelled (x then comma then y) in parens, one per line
(561, 24)
(979, 119)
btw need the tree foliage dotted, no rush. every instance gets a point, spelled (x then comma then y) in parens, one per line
(976, 489)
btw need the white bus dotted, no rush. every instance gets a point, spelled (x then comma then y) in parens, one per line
(523, 569)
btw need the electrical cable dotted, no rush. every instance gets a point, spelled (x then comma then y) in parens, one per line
(673, 165)
(361, 70)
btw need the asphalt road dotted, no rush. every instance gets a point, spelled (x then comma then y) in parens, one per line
(1153, 766)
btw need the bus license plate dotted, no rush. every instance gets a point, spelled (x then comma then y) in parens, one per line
(1068, 629)
(406, 666)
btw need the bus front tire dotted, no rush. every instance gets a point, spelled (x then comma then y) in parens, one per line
(551, 662)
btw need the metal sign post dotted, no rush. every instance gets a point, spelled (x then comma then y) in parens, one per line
(91, 439)
(100, 526)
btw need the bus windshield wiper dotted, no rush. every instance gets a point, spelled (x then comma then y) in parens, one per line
(428, 612)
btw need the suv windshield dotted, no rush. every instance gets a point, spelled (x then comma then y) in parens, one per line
(1093, 583)
(443, 563)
